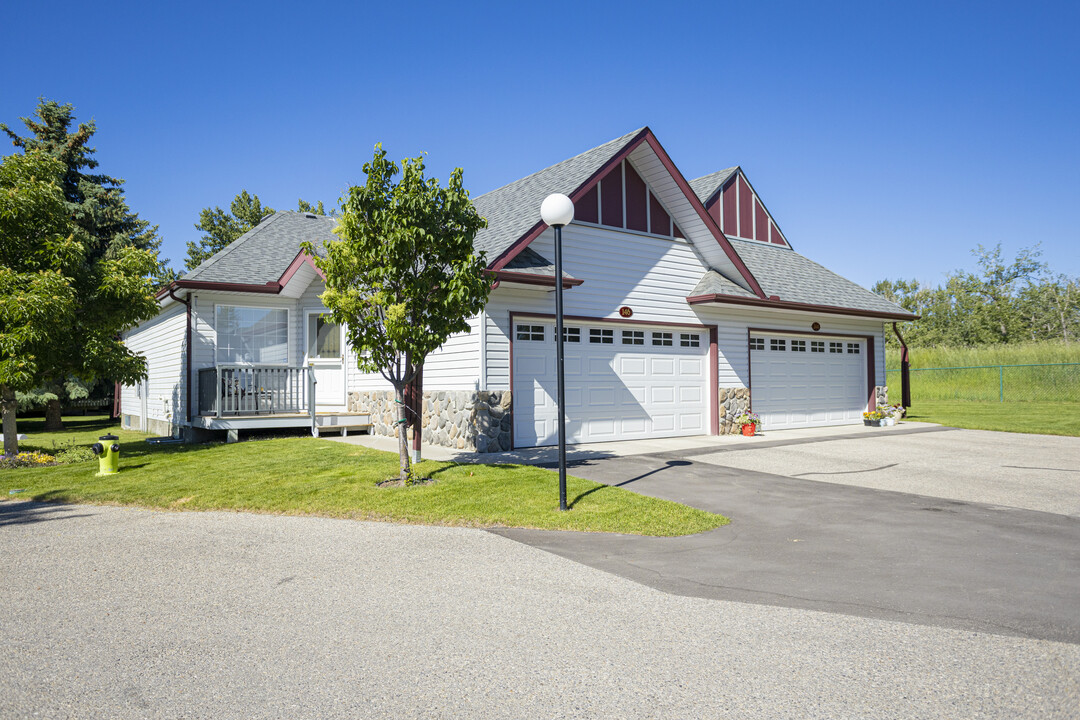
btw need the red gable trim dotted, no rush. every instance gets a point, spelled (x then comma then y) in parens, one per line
(704, 215)
(271, 288)
(299, 261)
(646, 135)
(500, 262)
(786, 305)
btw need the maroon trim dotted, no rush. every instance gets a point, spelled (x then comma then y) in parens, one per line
(871, 375)
(513, 396)
(637, 201)
(270, 288)
(611, 198)
(749, 372)
(714, 381)
(721, 239)
(116, 405)
(508, 254)
(301, 259)
(414, 400)
(787, 305)
(586, 210)
(531, 279)
(731, 209)
(783, 240)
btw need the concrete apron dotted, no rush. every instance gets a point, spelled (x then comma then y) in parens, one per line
(685, 446)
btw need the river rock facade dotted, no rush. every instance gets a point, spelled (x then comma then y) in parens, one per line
(479, 421)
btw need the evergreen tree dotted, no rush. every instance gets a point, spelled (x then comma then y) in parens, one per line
(94, 200)
(220, 228)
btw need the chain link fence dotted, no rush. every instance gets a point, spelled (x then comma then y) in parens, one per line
(1058, 382)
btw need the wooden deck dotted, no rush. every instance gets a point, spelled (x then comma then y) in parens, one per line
(324, 421)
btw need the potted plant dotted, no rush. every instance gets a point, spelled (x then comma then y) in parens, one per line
(749, 422)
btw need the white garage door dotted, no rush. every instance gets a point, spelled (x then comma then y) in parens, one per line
(622, 382)
(807, 381)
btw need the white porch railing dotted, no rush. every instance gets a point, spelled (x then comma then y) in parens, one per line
(231, 390)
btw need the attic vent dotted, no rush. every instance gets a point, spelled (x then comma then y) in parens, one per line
(311, 216)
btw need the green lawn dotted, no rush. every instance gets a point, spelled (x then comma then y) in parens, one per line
(1045, 418)
(306, 476)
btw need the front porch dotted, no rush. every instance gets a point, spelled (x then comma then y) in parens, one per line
(260, 397)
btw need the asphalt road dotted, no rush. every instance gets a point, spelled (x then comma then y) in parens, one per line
(122, 613)
(842, 547)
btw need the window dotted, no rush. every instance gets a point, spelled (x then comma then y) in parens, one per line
(775, 344)
(817, 346)
(835, 347)
(598, 335)
(798, 346)
(530, 332)
(662, 339)
(689, 340)
(757, 343)
(252, 335)
(853, 348)
(570, 334)
(633, 337)
(324, 338)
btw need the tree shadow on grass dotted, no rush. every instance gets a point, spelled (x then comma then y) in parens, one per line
(666, 466)
(28, 512)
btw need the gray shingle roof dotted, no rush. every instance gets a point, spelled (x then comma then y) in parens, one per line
(263, 253)
(531, 262)
(706, 185)
(713, 282)
(795, 278)
(513, 209)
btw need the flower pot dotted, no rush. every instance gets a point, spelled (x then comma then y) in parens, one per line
(881, 422)
(748, 430)
(890, 421)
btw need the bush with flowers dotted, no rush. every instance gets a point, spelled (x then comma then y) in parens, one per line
(748, 419)
(27, 459)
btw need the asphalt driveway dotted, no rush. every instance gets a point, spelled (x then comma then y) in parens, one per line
(960, 538)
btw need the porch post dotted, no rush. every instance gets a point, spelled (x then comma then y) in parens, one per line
(311, 398)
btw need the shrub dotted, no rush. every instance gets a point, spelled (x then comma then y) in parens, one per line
(27, 459)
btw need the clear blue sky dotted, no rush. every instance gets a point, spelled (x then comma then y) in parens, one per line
(887, 139)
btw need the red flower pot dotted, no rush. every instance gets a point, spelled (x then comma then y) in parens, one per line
(748, 430)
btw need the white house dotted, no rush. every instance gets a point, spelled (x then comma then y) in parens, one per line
(685, 306)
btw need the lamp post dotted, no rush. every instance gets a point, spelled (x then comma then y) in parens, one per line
(557, 210)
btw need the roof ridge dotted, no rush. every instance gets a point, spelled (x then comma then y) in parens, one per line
(622, 138)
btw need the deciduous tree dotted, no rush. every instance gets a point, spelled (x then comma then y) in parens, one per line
(404, 276)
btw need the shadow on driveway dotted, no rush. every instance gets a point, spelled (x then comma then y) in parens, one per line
(838, 548)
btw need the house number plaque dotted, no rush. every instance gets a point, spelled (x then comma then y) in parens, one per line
(625, 311)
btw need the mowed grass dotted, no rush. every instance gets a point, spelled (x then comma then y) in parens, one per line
(1059, 418)
(307, 476)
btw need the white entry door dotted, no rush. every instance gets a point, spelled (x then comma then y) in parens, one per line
(622, 382)
(804, 381)
(326, 358)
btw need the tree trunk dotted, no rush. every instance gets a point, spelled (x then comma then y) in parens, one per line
(53, 421)
(11, 434)
(402, 431)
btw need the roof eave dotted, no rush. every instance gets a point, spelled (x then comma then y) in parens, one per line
(520, 278)
(778, 304)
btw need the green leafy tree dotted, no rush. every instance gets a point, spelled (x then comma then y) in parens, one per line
(404, 276)
(62, 308)
(220, 228)
(94, 200)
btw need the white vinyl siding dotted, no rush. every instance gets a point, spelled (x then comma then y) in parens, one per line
(161, 341)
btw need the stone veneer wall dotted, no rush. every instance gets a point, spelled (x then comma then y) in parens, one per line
(733, 403)
(881, 392)
(462, 419)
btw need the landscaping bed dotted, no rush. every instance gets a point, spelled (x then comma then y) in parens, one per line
(308, 476)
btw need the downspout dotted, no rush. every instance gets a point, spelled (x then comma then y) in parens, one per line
(187, 357)
(905, 370)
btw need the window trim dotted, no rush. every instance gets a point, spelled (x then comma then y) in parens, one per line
(601, 337)
(530, 332)
(633, 338)
(308, 312)
(288, 334)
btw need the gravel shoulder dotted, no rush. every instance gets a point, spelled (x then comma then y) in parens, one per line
(126, 613)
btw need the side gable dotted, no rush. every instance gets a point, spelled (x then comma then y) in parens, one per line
(737, 208)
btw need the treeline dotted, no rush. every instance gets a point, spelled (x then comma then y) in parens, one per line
(1001, 302)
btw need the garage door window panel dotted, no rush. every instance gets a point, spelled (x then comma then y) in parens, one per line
(633, 337)
(530, 333)
(601, 336)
